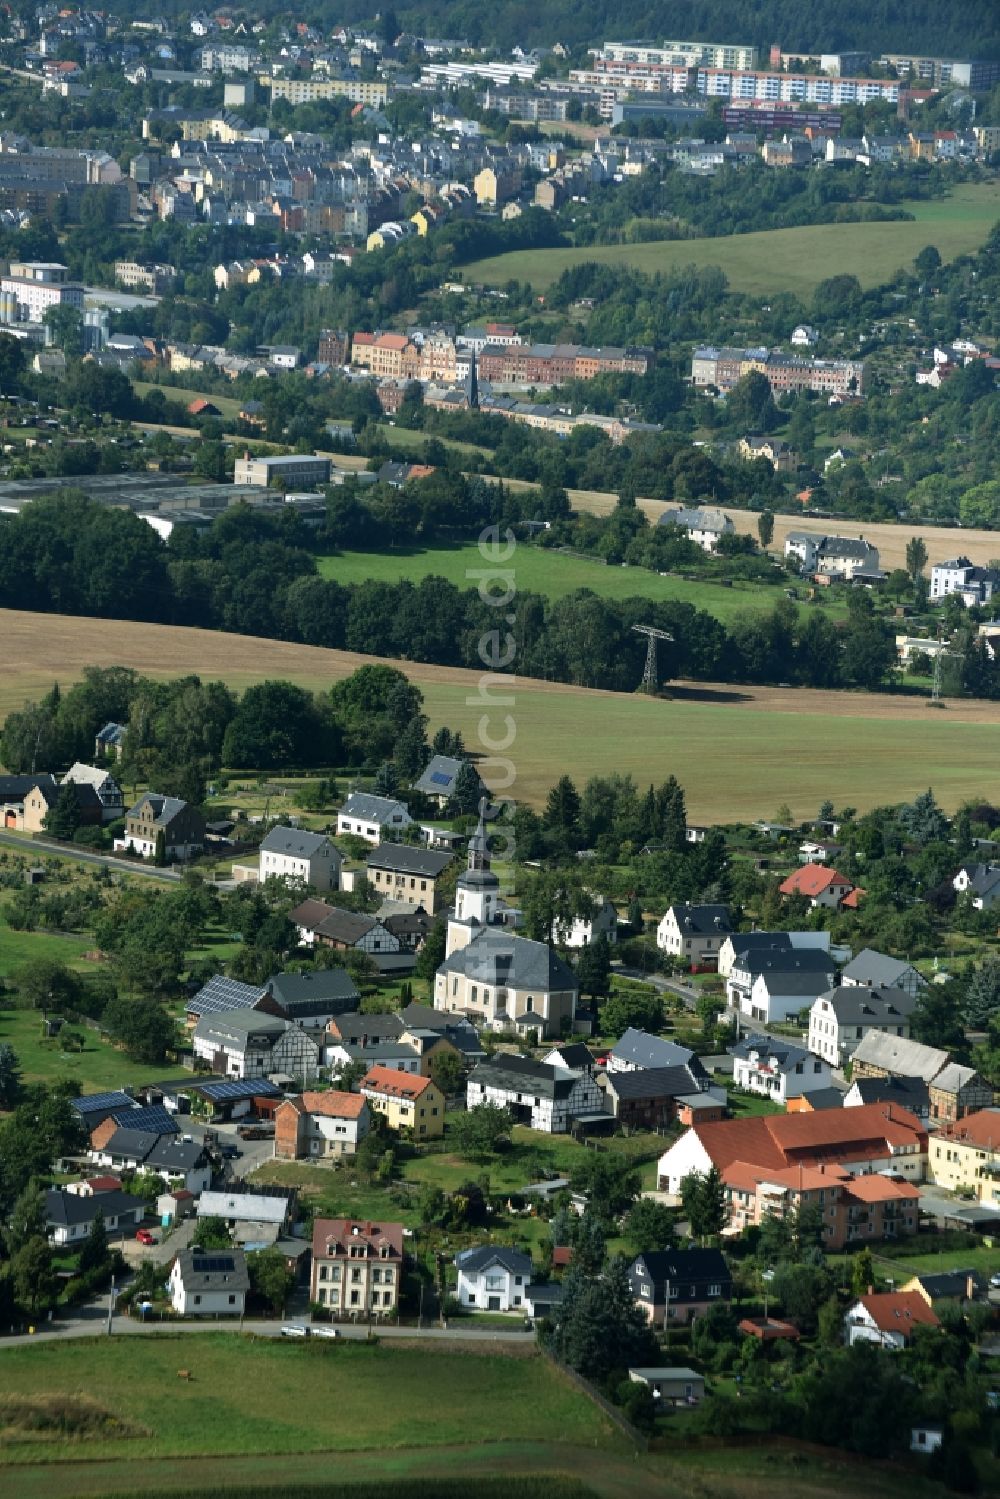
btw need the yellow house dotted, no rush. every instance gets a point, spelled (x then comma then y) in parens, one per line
(965, 1156)
(406, 1101)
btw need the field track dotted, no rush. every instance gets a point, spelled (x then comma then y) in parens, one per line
(739, 751)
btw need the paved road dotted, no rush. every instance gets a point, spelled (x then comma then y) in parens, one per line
(84, 856)
(92, 1321)
(686, 992)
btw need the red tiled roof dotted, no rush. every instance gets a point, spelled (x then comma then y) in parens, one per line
(778, 1141)
(394, 1083)
(812, 880)
(982, 1129)
(852, 902)
(876, 1188)
(895, 1311)
(329, 1233)
(332, 1105)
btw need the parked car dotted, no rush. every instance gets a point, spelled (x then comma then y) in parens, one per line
(294, 1330)
(145, 1237)
(228, 1152)
(321, 1330)
(995, 1280)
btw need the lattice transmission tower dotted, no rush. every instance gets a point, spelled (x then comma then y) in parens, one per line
(650, 676)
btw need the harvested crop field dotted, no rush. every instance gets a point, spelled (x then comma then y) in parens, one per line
(740, 752)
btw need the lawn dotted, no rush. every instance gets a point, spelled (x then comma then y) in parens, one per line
(976, 1257)
(99, 1066)
(793, 260)
(553, 574)
(270, 1396)
(228, 406)
(796, 746)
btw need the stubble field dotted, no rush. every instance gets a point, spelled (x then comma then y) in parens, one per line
(739, 752)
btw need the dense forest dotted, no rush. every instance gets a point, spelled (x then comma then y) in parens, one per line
(965, 30)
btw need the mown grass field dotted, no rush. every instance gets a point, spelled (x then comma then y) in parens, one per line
(229, 406)
(270, 1396)
(739, 752)
(552, 574)
(793, 260)
(97, 1067)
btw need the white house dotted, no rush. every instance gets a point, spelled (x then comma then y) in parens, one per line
(840, 1017)
(306, 858)
(583, 930)
(248, 1043)
(492, 1278)
(877, 970)
(974, 585)
(748, 942)
(770, 984)
(109, 793)
(209, 1283)
(887, 1319)
(704, 527)
(804, 336)
(69, 1215)
(546, 1098)
(981, 883)
(694, 933)
(371, 817)
(777, 1070)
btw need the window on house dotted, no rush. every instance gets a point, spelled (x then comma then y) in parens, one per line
(197, 1301)
(232, 1301)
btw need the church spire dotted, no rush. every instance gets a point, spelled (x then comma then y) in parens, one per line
(479, 848)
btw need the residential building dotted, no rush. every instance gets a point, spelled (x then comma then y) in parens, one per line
(357, 1268)
(974, 585)
(694, 933)
(777, 1069)
(69, 1216)
(320, 1126)
(980, 883)
(439, 778)
(407, 1102)
(246, 1043)
(290, 471)
(110, 740)
(32, 287)
(164, 822)
(546, 1098)
(821, 887)
(399, 872)
(876, 970)
(879, 1054)
(638, 1050)
(250, 1215)
(221, 994)
(705, 527)
(493, 1278)
(842, 1016)
(965, 1156)
(103, 783)
(880, 1137)
(769, 984)
(652, 1098)
(300, 857)
(678, 1285)
(583, 930)
(180, 1162)
(757, 445)
(887, 1318)
(329, 926)
(909, 1092)
(671, 1385)
(28, 814)
(372, 817)
(314, 998)
(748, 942)
(851, 1209)
(552, 364)
(373, 1050)
(209, 1283)
(957, 1091)
(947, 1287)
(722, 368)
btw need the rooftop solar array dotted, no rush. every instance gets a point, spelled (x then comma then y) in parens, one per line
(221, 994)
(240, 1087)
(154, 1120)
(440, 779)
(215, 1262)
(96, 1103)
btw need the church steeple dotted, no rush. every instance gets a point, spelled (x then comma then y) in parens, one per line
(477, 891)
(479, 847)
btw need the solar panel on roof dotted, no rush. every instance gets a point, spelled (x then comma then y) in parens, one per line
(221, 994)
(236, 1087)
(440, 779)
(155, 1119)
(91, 1103)
(217, 1262)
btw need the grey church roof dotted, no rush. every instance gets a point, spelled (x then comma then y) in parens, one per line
(496, 958)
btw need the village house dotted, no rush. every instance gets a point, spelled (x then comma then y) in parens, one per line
(954, 1090)
(876, 970)
(183, 1163)
(694, 934)
(320, 1126)
(209, 1283)
(965, 1156)
(440, 776)
(398, 872)
(300, 857)
(107, 789)
(678, 1285)
(758, 445)
(880, 1137)
(909, 1092)
(166, 823)
(246, 1044)
(110, 741)
(330, 926)
(772, 985)
(704, 527)
(409, 1103)
(40, 800)
(357, 1267)
(776, 1069)
(749, 942)
(493, 1278)
(583, 930)
(852, 1209)
(980, 883)
(372, 817)
(652, 1098)
(250, 1217)
(823, 888)
(636, 1050)
(314, 998)
(946, 1288)
(546, 1098)
(887, 1318)
(373, 1050)
(843, 1016)
(69, 1216)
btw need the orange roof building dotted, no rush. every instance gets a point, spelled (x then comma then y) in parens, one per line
(820, 886)
(407, 1101)
(320, 1126)
(888, 1318)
